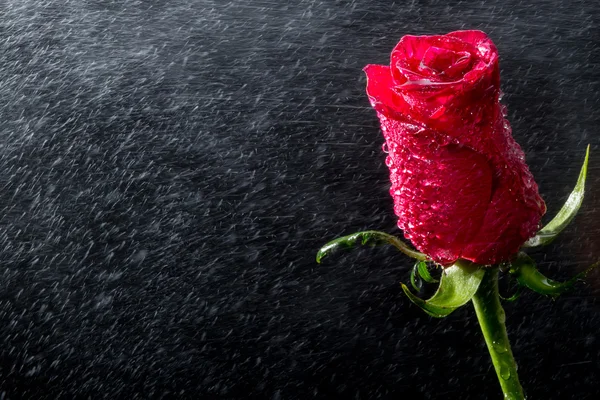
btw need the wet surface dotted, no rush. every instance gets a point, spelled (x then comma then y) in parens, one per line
(168, 173)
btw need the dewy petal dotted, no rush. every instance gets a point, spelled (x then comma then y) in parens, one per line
(407, 55)
(445, 63)
(478, 39)
(411, 51)
(380, 86)
(430, 92)
(514, 211)
(441, 191)
(470, 36)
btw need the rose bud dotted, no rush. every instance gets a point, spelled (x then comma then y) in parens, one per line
(460, 184)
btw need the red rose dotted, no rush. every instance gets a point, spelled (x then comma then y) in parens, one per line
(460, 184)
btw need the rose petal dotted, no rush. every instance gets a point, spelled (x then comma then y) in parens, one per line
(516, 208)
(460, 84)
(441, 191)
(380, 91)
(472, 36)
(445, 62)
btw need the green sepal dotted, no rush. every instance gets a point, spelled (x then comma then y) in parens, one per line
(420, 272)
(415, 279)
(458, 285)
(424, 272)
(523, 268)
(514, 296)
(370, 238)
(568, 211)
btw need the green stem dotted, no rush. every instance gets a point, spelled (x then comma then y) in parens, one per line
(491, 319)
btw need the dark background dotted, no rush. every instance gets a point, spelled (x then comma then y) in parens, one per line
(169, 169)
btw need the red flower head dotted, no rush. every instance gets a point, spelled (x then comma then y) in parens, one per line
(460, 184)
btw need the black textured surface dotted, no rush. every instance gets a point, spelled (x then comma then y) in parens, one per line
(169, 169)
